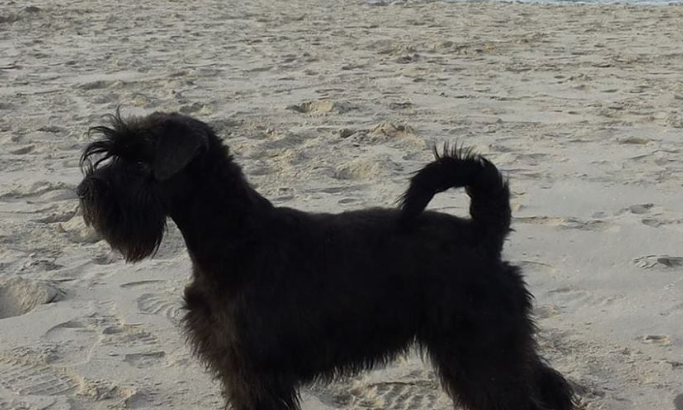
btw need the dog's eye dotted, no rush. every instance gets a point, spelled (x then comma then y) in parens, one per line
(143, 166)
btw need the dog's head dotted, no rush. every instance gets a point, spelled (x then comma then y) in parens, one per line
(128, 172)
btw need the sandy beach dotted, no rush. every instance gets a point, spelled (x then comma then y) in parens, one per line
(331, 106)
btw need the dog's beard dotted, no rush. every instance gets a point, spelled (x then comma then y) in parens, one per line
(131, 220)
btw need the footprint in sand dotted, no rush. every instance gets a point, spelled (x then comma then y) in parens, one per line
(40, 265)
(577, 297)
(587, 393)
(346, 132)
(94, 85)
(633, 141)
(546, 311)
(321, 107)
(652, 222)
(418, 394)
(19, 296)
(385, 132)
(29, 378)
(167, 306)
(645, 210)
(659, 340)
(41, 192)
(659, 262)
(563, 223)
(56, 217)
(537, 267)
(27, 149)
(74, 340)
(121, 334)
(107, 258)
(640, 209)
(195, 108)
(359, 169)
(17, 404)
(144, 284)
(145, 360)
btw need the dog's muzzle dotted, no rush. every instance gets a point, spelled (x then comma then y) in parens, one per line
(86, 189)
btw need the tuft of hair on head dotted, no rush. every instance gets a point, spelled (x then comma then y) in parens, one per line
(109, 146)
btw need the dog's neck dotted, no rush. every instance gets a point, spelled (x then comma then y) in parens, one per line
(218, 212)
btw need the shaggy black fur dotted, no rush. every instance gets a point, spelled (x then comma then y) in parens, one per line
(280, 297)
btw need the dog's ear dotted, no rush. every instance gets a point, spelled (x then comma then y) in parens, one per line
(179, 144)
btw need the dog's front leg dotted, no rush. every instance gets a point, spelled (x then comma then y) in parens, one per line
(260, 391)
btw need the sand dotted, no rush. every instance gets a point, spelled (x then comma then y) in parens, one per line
(330, 106)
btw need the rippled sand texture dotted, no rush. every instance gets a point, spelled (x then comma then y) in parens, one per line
(329, 106)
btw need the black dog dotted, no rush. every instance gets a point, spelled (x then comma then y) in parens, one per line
(280, 297)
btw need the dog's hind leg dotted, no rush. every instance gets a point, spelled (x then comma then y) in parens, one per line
(553, 389)
(487, 371)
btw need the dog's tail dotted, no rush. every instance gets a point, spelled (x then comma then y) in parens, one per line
(488, 190)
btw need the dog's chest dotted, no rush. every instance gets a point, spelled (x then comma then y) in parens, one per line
(209, 320)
